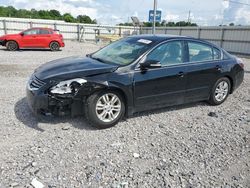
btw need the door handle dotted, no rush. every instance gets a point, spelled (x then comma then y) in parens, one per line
(180, 74)
(218, 67)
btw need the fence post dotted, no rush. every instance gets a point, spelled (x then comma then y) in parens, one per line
(166, 31)
(180, 31)
(78, 32)
(140, 29)
(55, 27)
(120, 31)
(4, 27)
(222, 36)
(198, 32)
(31, 24)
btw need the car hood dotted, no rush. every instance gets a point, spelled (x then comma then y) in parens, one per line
(72, 67)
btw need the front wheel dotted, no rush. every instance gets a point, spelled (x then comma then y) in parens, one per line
(105, 109)
(54, 46)
(12, 46)
(220, 91)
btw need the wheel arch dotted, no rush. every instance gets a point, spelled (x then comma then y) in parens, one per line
(231, 82)
(54, 41)
(8, 40)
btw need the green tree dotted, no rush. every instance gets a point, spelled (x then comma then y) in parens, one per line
(83, 19)
(126, 24)
(55, 14)
(9, 11)
(67, 17)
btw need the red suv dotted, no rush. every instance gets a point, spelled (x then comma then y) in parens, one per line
(33, 38)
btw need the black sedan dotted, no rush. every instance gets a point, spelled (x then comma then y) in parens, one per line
(134, 74)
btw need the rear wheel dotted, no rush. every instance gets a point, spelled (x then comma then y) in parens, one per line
(12, 45)
(105, 109)
(54, 46)
(220, 91)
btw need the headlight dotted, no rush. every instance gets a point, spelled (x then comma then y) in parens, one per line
(68, 86)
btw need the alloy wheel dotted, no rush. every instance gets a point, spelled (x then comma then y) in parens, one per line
(108, 107)
(12, 46)
(221, 91)
(54, 46)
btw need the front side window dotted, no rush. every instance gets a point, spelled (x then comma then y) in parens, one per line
(170, 53)
(199, 52)
(123, 52)
(217, 54)
(31, 32)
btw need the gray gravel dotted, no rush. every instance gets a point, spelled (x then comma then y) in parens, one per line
(194, 145)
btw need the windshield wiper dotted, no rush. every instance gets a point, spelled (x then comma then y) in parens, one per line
(101, 60)
(98, 59)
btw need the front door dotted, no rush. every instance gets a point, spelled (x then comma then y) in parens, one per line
(164, 86)
(29, 38)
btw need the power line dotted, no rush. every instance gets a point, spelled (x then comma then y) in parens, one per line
(236, 2)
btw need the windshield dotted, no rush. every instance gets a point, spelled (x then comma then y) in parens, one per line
(123, 52)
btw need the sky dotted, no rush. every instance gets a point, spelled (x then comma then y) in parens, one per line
(206, 13)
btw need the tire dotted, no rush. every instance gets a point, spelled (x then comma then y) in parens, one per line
(54, 46)
(98, 113)
(220, 91)
(12, 45)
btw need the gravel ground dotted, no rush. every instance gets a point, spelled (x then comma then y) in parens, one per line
(194, 145)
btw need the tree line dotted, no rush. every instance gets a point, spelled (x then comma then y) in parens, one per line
(10, 11)
(164, 23)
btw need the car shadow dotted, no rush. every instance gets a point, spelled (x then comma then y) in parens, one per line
(27, 117)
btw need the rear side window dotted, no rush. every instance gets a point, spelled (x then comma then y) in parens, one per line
(199, 52)
(44, 32)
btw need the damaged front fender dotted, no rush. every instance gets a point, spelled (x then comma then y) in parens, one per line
(68, 97)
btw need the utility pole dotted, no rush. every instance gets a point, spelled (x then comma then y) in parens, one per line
(189, 13)
(154, 20)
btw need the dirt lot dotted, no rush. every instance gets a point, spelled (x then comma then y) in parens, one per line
(173, 147)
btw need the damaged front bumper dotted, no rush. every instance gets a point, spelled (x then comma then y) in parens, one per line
(40, 102)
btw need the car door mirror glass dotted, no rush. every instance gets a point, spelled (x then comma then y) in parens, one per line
(150, 64)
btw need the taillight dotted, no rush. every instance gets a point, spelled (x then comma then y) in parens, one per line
(240, 62)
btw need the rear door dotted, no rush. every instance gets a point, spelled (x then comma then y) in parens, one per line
(164, 86)
(204, 68)
(44, 37)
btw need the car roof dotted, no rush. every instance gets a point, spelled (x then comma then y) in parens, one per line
(41, 28)
(161, 38)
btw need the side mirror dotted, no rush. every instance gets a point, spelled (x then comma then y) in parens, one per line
(150, 64)
(22, 34)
